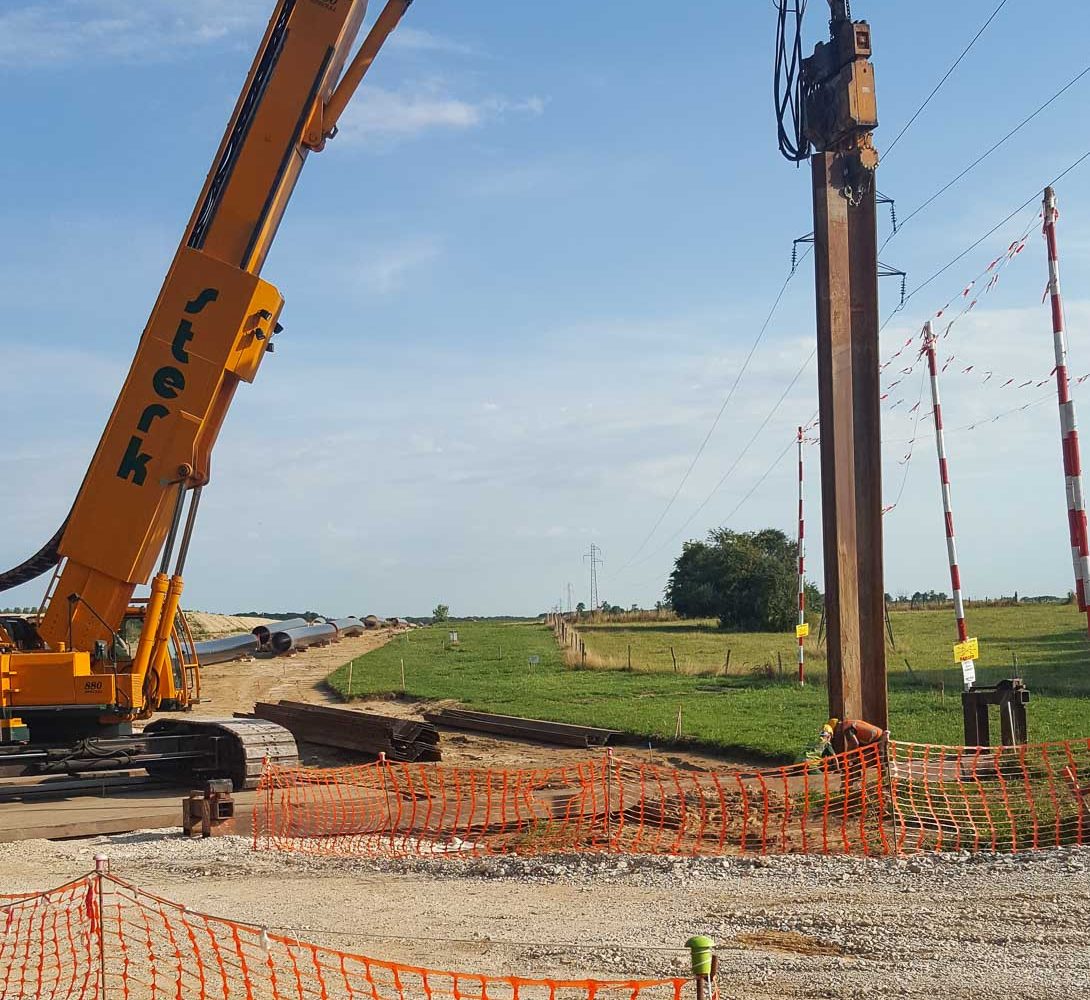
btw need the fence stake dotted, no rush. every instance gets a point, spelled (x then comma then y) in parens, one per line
(700, 951)
(386, 794)
(609, 790)
(402, 675)
(630, 656)
(348, 690)
(674, 658)
(677, 728)
(102, 867)
(726, 666)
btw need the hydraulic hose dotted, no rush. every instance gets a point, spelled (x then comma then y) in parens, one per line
(41, 562)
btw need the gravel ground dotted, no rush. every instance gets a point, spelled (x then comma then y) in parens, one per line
(981, 927)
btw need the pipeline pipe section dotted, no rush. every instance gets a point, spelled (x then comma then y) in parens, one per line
(286, 640)
(346, 626)
(232, 647)
(264, 632)
(291, 634)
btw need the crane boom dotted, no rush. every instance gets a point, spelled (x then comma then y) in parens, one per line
(210, 328)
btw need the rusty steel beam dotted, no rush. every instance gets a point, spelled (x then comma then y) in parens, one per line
(846, 276)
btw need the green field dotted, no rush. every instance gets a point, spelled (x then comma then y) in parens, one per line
(750, 711)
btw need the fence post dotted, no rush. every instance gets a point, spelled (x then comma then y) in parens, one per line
(582, 653)
(704, 964)
(102, 868)
(630, 656)
(609, 790)
(386, 794)
(348, 690)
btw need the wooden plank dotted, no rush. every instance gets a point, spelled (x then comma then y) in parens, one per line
(89, 817)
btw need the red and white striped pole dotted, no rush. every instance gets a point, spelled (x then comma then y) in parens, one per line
(968, 667)
(802, 581)
(1069, 431)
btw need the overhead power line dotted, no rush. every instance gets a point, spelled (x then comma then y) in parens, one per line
(719, 415)
(734, 465)
(764, 475)
(945, 76)
(972, 246)
(988, 152)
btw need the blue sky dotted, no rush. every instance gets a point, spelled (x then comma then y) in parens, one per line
(519, 285)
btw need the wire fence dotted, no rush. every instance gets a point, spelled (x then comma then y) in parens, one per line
(877, 800)
(101, 937)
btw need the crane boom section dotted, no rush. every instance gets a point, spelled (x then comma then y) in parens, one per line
(209, 329)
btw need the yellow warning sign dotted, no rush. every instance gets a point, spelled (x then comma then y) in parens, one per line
(967, 650)
(802, 631)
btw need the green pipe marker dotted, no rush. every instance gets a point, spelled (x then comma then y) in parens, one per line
(700, 947)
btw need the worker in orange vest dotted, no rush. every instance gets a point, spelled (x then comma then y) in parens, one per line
(855, 734)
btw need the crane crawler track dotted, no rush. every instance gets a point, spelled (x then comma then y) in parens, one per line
(242, 745)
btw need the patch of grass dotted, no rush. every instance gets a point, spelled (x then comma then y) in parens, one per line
(741, 712)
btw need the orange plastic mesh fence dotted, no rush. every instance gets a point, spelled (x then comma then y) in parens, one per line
(875, 800)
(604, 804)
(989, 798)
(103, 938)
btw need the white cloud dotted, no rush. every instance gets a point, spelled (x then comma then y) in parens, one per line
(386, 269)
(391, 115)
(63, 31)
(417, 40)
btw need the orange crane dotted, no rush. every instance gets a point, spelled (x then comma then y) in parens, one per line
(73, 681)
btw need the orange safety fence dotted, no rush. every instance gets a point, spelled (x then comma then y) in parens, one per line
(605, 804)
(1006, 798)
(100, 938)
(872, 801)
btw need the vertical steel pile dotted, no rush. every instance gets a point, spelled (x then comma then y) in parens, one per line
(802, 581)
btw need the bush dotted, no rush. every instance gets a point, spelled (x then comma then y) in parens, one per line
(747, 580)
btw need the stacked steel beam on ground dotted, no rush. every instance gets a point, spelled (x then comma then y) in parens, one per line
(365, 732)
(534, 730)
